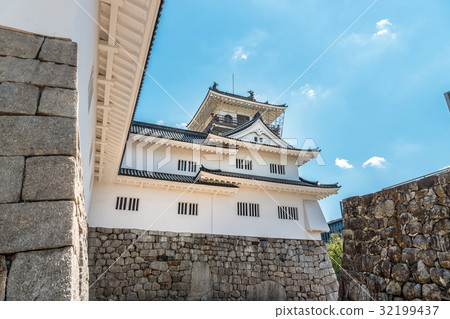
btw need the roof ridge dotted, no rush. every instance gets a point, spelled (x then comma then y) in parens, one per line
(248, 98)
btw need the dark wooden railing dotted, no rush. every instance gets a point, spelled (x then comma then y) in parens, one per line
(229, 121)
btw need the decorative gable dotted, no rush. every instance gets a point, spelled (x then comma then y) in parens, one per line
(258, 132)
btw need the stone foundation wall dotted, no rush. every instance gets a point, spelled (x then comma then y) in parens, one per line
(43, 229)
(138, 265)
(397, 243)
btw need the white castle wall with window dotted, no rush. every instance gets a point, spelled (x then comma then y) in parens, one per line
(209, 187)
(274, 214)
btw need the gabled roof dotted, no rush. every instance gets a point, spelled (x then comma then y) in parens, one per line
(300, 182)
(171, 133)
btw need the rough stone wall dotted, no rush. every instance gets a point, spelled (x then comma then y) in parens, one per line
(138, 265)
(397, 243)
(43, 228)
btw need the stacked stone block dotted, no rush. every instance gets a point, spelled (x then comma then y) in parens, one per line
(43, 229)
(129, 264)
(397, 243)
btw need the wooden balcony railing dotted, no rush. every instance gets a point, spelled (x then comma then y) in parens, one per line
(229, 122)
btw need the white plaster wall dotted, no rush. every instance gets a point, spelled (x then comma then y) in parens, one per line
(162, 158)
(217, 213)
(65, 19)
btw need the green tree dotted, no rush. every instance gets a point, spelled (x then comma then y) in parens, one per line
(335, 248)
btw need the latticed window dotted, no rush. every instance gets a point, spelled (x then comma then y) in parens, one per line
(248, 209)
(285, 212)
(127, 203)
(187, 209)
(187, 166)
(277, 169)
(244, 164)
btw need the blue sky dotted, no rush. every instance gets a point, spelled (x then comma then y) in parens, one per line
(377, 93)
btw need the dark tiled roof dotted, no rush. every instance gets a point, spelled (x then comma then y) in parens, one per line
(167, 177)
(194, 179)
(171, 133)
(157, 175)
(248, 98)
(189, 136)
(300, 182)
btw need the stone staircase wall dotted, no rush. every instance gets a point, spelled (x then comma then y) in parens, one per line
(43, 229)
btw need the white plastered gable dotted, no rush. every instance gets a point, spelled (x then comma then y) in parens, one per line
(261, 132)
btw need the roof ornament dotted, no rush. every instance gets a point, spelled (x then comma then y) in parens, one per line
(251, 95)
(214, 86)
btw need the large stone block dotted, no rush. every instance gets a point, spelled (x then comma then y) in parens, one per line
(36, 72)
(37, 135)
(59, 102)
(18, 98)
(44, 275)
(3, 275)
(49, 178)
(266, 291)
(19, 44)
(11, 174)
(36, 225)
(59, 51)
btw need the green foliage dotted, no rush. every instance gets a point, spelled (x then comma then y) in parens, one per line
(335, 248)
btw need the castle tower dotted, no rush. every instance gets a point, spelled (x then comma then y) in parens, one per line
(221, 112)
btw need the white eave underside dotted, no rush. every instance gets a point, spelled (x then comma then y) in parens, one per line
(121, 62)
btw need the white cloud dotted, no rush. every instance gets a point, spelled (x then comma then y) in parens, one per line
(343, 163)
(181, 125)
(383, 23)
(240, 54)
(375, 161)
(308, 91)
(160, 122)
(384, 28)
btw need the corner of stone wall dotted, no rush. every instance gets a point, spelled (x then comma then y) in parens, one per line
(43, 228)
(397, 243)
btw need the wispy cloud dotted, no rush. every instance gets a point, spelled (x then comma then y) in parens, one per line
(311, 93)
(240, 54)
(248, 45)
(343, 163)
(308, 91)
(159, 122)
(375, 161)
(181, 125)
(384, 28)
